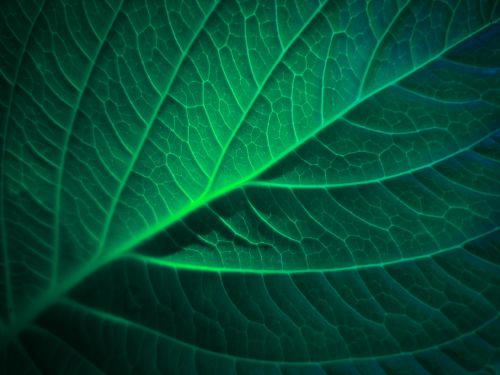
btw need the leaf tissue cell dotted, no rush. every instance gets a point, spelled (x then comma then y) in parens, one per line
(250, 187)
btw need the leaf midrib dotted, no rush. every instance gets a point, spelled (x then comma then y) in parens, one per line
(256, 95)
(47, 299)
(283, 185)
(149, 125)
(214, 194)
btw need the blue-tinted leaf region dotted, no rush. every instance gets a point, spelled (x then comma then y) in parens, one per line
(251, 187)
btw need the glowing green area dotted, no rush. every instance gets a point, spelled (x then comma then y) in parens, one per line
(250, 186)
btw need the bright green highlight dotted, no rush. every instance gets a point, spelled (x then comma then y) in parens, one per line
(250, 186)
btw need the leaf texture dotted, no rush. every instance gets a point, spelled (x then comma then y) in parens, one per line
(250, 186)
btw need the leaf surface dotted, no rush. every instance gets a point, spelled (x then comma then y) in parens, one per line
(250, 186)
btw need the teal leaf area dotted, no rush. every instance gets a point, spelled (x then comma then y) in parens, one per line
(250, 187)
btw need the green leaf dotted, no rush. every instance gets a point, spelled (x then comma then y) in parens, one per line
(250, 187)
